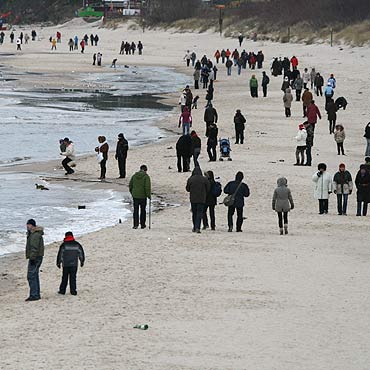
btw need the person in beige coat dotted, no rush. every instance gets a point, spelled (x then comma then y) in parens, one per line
(287, 99)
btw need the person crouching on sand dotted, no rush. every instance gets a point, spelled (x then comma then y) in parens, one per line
(69, 254)
(69, 155)
(282, 203)
(102, 151)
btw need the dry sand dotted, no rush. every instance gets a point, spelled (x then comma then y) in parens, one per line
(253, 300)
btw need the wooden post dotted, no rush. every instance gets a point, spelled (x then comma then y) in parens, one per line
(331, 37)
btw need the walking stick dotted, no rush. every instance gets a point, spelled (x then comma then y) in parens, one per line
(150, 213)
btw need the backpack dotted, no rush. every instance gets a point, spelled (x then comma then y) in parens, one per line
(217, 189)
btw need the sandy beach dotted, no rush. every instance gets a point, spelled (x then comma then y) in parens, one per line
(218, 300)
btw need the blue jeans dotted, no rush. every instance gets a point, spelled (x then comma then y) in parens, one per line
(33, 277)
(186, 128)
(239, 69)
(229, 71)
(197, 210)
(342, 200)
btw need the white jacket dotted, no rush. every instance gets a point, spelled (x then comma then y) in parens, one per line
(70, 151)
(182, 99)
(323, 185)
(301, 137)
(306, 77)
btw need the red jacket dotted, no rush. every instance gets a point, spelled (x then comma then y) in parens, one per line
(294, 62)
(312, 113)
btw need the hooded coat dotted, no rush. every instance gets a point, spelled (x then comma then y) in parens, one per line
(282, 200)
(198, 186)
(288, 98)
(363, 187)
(342, 182)
(35, 243)
(243, 192)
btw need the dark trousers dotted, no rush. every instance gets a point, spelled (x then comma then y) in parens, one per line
(287, 112)
(197, 210)
(185, 163)
(211, 216)
(196, 84)
(282, 219)
(342, 201)
(211, 150)
(323, 206)
(319, 91)
(196, 155)
(254, 92)
(69, 273)
(363, 208)
(103, 168)
(340, 148)
(188, 62)
(308, 155)
(122, 166)
(33, 277)
(239, 219)
(239, 136)
(332, 125)
(298, 95)
(264, 89)
(65, 162)
(139, 203)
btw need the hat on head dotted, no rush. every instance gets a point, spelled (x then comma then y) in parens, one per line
(68, 233)
(120, 135)
(31, 222)
(342, 165)
(66, 139)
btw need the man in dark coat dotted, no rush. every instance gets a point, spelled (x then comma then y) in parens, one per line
(362, 182)
(69, 253)
(184, 147)
(239, 121)
(210, 116)
(198, 186)
(309, 142)
(121, 155)
(241, 191)
(212, 142)
(265, 82)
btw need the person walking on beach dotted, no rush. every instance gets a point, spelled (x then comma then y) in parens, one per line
(187, 57)
(339, 137)
(70, 252)
(12, 36)
(196, 76)
(301, 145)
(196, 147)
(239, 123)
(184, 148)
(76, 43)
(215, 190)
(53, 44)
(212, 142)
(35, 255)
(102, 151)
(82, 44)
(69, 155)
(210, 116)
(265, 82)
(313, 113)
(253, 85)
(19, 43)
(185, 120)
(198, 186)
(319, 83)
(282, 203)
(362, 182)
(323, 188)
(229, 65)
(99, 59)
(140, 189)
(331, 110)
(287, 99)
(343, 186)
(121, 155)
(94, 59)
(309, 142)
(140, 47)
(367, 137)
(307, 98)
(239, 190)
(70, 44)
(298, 86)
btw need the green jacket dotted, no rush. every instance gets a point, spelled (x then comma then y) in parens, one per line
(35, 243)
(253, 82)
(140, 187)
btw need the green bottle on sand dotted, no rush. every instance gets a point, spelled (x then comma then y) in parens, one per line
(142, 327)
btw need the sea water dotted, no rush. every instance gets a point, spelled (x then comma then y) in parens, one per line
(31, 124)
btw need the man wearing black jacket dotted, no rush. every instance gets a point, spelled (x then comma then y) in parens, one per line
(210, 116)
(121, 155)
(184, 147)
(239, 121)
(69, 254)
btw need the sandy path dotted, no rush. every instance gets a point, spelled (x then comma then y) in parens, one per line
(216, 300)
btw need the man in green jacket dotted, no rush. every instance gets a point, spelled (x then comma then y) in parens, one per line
(34, 254)
(253, 84)
(140, 189)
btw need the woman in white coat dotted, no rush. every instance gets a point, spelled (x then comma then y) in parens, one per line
(323, 187)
